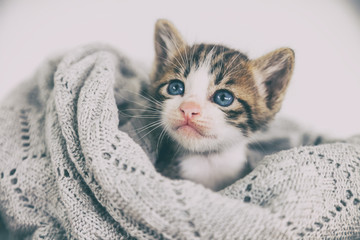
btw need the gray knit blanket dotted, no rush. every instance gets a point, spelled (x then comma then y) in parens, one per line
(71, 167)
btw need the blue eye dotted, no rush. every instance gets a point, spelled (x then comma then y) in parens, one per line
(223, 98)
(176, 87)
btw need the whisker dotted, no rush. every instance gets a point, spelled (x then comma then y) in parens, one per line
(173, 64)
(141, 116)
(254, 140)
(230, 65)
(144, 106)
(132, 114)
(187, 58)
(148, 126)
(172, 55)
(132, 101)
(178, 50)
(157, 126)
(222, 62)
(154, 101)
(192, 57)
(161, 137)
(145, 110)
(176, 153)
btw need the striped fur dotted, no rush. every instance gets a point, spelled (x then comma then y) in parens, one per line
(258, 87)
(231, 70)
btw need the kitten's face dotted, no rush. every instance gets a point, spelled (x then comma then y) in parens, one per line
(202, 108)
(213, 96)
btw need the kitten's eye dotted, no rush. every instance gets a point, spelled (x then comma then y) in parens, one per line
(223, 98)
(176, 87)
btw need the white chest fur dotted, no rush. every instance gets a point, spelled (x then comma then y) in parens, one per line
(214, 170)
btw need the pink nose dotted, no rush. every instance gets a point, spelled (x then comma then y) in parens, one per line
(190, 109)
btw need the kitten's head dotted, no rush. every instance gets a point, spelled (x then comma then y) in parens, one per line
(213, 96)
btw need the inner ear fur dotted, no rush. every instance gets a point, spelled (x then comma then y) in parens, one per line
(272, 73)
(167, 41)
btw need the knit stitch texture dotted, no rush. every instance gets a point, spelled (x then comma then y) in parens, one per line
(69, 169)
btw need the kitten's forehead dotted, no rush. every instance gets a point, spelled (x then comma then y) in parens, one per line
(220, 56)
(208, 65)
(199, 78)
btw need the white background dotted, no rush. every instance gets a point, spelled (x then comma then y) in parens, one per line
(325, 34)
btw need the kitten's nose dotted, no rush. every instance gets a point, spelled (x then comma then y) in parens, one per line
(190, 109)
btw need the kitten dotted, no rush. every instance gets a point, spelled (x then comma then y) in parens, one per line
(211, 99)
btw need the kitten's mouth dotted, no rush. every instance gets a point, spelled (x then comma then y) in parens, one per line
(191, 131)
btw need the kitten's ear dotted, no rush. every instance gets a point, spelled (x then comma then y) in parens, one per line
(167, 41)
(272, 73)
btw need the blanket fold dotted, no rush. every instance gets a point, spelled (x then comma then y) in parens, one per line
(67, 171)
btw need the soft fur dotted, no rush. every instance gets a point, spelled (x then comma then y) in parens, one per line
(205, 136)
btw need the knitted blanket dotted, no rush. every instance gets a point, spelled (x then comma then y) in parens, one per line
(70, 169)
